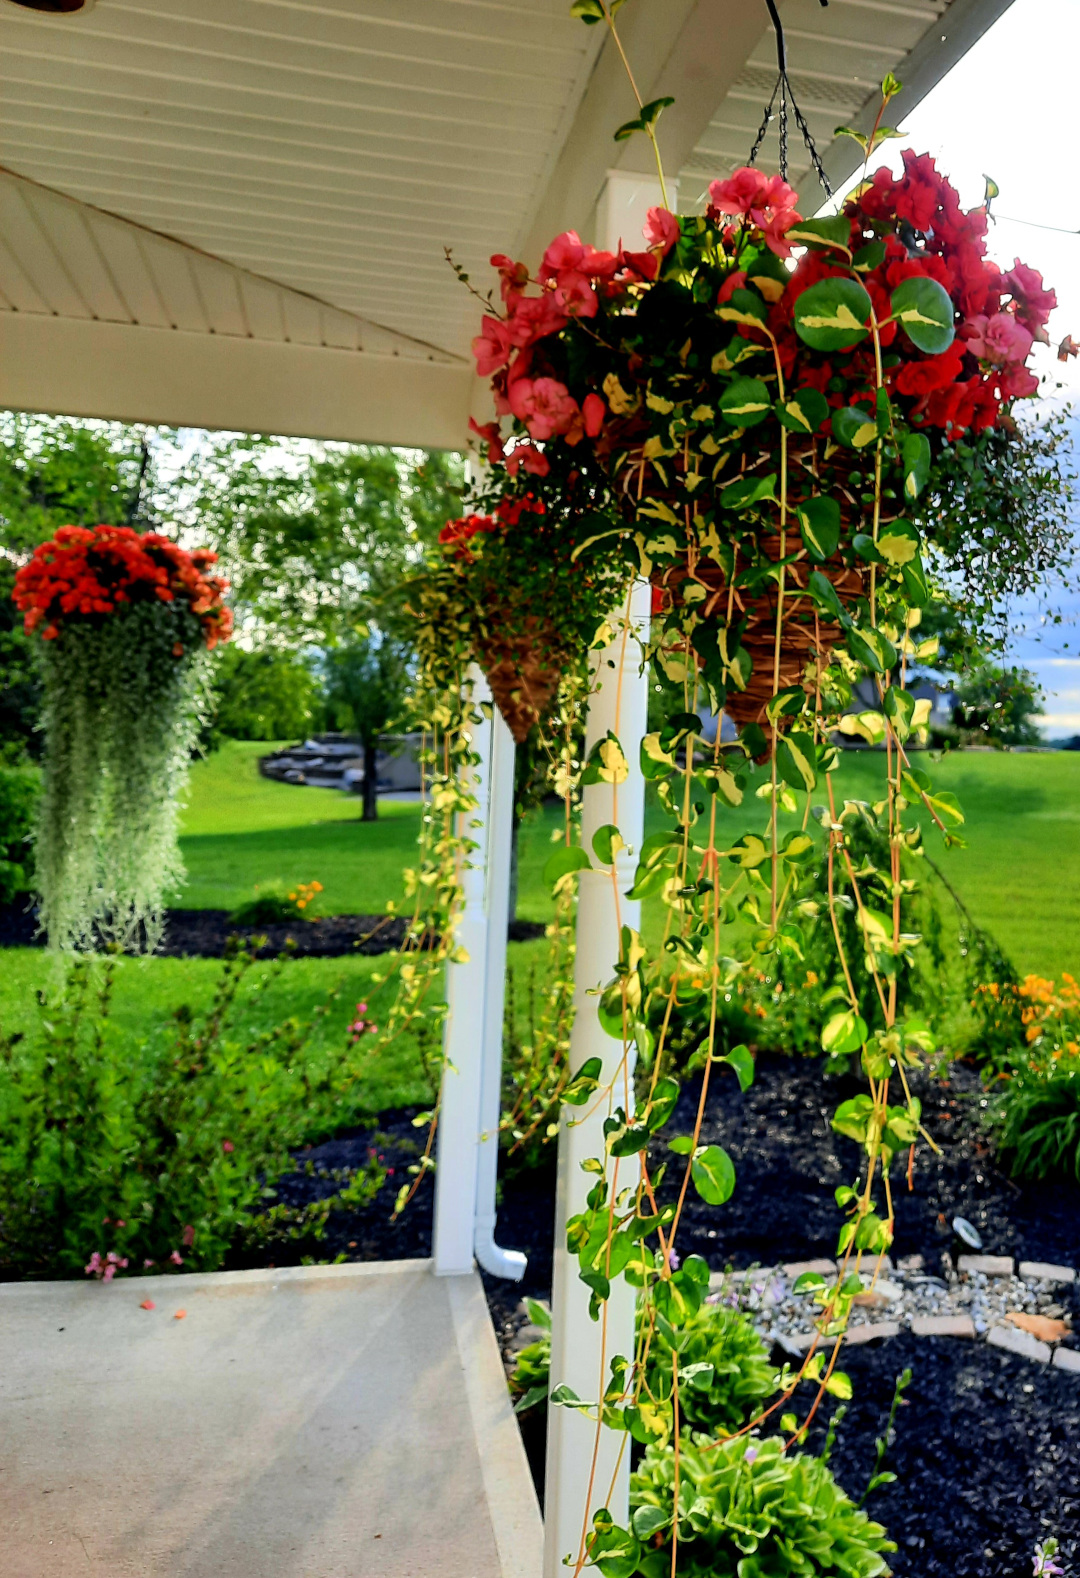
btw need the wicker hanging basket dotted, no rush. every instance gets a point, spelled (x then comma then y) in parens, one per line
(523, 671)
(805, 638)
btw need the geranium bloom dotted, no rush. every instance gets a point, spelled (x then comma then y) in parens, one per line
(661, 230)
(535, 317)
(569, 254)
(767, 201)
(999, 339)
(492, 346)
(513, 277)
(528, 458)
(575, 295)
(545, 406)
(1034, 303)
(491, 436)
(467, 526)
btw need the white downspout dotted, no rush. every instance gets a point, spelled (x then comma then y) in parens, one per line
(499, 1262)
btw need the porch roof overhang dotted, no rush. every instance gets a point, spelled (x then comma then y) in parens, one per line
(234, 216)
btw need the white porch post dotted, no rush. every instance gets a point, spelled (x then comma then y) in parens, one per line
(580, 1357)
(578, 1352)
(463, 1035)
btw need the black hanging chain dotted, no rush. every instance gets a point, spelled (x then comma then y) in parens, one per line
(784, 93)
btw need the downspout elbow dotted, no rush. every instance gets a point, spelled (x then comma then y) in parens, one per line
(508, 1263)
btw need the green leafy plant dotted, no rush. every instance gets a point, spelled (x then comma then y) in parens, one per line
(163, 1155)
(746, 1509)
(20, 790)
(531, 1375)
(275, 903)
(1038, 1117)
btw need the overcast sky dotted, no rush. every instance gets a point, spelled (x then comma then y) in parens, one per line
(1008, 110)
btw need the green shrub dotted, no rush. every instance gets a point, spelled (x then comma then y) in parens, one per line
(20, 790)
(725, 1374)
(263, 695)
(731, 1377)
(114, 1156)
(274, 904)
(1039, 1123)
(747, 1509)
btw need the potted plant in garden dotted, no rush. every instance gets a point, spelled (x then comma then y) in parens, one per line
(126, 623)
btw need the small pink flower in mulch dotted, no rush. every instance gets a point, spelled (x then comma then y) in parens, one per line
(180, 1315)
(187, 1237)
(177, 1258)
(148, 1304)
(227, 1146)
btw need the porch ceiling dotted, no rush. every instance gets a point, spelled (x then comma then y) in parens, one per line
(296, 167)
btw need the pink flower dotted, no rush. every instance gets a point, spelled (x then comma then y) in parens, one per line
(593, 410)
(1017, 382)
(1034, 302)
(569, 254)
(491, 436)
(576, 296)
(535, 317)
(148, 1263)
(513, 277)
(361, 1008)
(767, 201)
(187, 1237)
(734, 282)
(544, 405)
(228, 1147)
(492, 346)
(93, 1267)
(177, 1258)
(661, 230)
(527, 456)
(999, 339)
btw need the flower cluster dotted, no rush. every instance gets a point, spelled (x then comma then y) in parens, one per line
(457, 534)
(304, 893)
(565, 361)
(87, 572)
(361, 1026)
(105, 1267)
(1044, 1015)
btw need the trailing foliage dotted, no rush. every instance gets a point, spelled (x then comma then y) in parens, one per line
(168, 1157)
(746, 1509)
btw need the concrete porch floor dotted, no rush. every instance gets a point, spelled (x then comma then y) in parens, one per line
(319, 1422)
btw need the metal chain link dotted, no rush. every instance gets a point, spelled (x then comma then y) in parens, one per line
(786, 94)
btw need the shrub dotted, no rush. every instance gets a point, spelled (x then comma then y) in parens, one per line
(20, 790)
(263, 695)
(746, 1508)
(731, 1378)
(731, 1374)
(159, 1155)
(275, 904)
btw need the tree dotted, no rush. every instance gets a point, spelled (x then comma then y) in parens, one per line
(264, 695)
(998, 705)
(365, 687)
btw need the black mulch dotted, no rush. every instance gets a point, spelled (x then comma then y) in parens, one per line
(205, 934)
(988, 1445)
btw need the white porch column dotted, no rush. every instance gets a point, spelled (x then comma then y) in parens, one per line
(581, 1352)
(463, 1034)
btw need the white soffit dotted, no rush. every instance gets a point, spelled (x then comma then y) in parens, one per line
(837, 56)
(334, 146)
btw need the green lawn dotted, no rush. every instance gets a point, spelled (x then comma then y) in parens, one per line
(1019, 875)
(240, 829)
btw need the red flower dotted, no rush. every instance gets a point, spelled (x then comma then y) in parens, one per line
(932, 372)
(491, 436)
(661, 230)
(527, 457)
(513, 276)
(545, 406)
(593, 410)
(767, 201)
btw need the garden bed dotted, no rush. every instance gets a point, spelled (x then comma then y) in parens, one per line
(205, 934)
(988, 1442)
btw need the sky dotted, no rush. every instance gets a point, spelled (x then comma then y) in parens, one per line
(1008, 110)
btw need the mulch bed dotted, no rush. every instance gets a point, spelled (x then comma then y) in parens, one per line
(988, 1444)
(205, 934)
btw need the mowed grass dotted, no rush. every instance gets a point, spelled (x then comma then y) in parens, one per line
(1019, 875)
(240, 829)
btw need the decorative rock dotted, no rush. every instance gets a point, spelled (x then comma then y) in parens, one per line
(1021, 1342)
(910, 1263)
(966, 1232)
(1040, 1326)
(871, 1265)
(803, 1341)
(797, 1267)
(1042, 1271)
(880, 1296)
(869, 1330)
(943, 1326)
(1067, 1359)
(989, 1265)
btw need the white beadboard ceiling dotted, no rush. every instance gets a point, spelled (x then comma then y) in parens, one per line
(291, 170)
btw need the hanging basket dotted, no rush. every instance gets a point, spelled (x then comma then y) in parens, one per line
(805, 639)
(523, 671)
